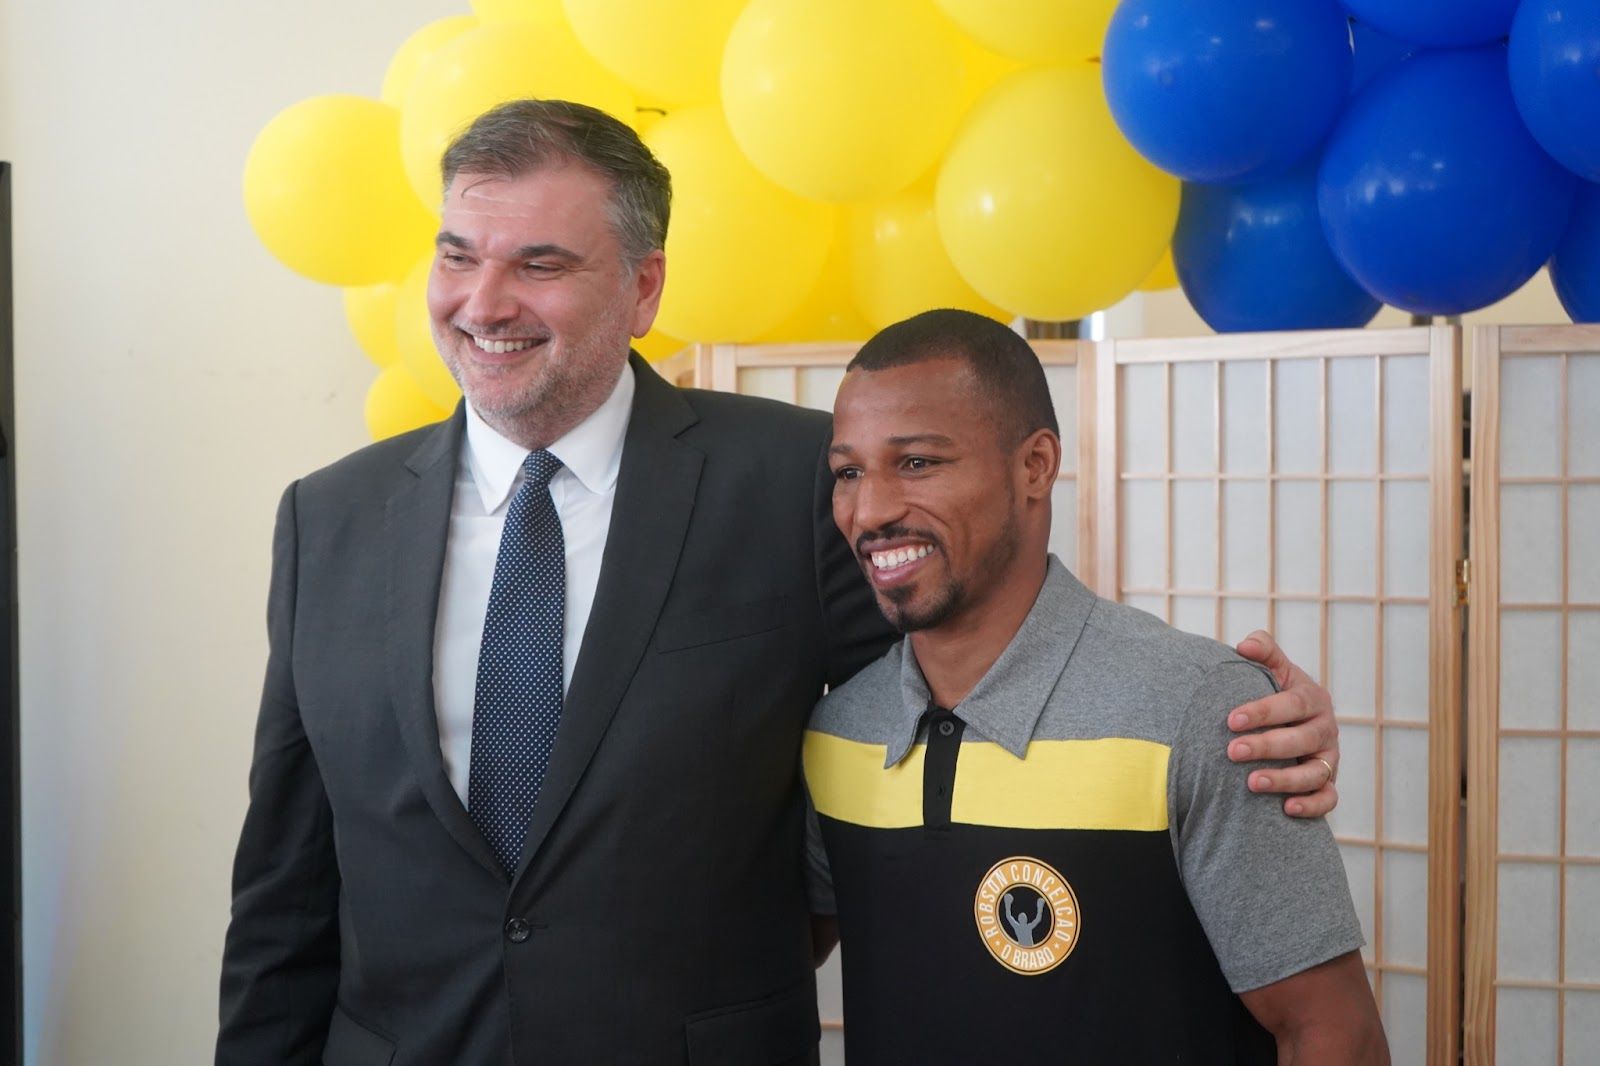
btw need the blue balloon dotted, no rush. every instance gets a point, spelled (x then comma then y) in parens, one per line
(1226, 90)
(1253, 257)
(1575, 268)
(1375, 52)
(1437, 23)
(1555, 76)
(1434, 196)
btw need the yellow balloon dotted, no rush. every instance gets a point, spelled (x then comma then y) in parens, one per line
(898, 265)
(829, 313)
(370, 311)
(1049, 31)
(396, 405)
(981, 70)
(742, 253)
(672, 52)
(656, 346)
(840, 99)
(414, 337)
(1043, 206)
(1164, 276)
(416, 48)
(487, 66)
(545, 11)
(325, 193)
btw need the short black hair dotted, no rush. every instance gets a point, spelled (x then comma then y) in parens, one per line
(1008, 371)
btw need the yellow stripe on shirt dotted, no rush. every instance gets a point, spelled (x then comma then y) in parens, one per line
(1111, 783)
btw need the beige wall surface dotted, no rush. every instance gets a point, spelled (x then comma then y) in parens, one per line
(171, 379)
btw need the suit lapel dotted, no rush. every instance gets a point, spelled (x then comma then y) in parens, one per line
(655, 496)
(416, 523)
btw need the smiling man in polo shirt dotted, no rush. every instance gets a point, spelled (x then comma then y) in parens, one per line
(1028, 828)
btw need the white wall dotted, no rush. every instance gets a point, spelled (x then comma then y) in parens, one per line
(171, 379)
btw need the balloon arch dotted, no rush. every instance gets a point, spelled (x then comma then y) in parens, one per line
(838, 165)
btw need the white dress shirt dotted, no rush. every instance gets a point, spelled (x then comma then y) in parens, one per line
(488, 476)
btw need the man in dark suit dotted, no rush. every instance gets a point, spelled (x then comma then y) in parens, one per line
(524, 785)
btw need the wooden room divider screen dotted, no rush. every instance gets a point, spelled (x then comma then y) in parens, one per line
(1312, 483)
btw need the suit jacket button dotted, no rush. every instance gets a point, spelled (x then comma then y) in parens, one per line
(517, 930)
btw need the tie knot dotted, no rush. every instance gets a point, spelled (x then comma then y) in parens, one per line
(539, 467)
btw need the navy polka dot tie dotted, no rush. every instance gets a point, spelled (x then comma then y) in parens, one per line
(517, 704)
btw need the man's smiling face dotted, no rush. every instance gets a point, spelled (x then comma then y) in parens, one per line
(923, 489)
(532, 301)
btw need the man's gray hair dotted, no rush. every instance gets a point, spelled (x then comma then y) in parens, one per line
(524, 136)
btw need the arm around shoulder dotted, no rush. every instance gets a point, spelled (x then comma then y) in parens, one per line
(1324, 1016)
(280, 962)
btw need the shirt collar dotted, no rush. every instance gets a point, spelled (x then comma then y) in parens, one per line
(591, 450)
(1007, 702)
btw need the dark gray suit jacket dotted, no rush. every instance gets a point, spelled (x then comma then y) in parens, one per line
(659, 914)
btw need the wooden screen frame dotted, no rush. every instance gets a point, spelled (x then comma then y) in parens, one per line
(1442, 346)
(1489, 347)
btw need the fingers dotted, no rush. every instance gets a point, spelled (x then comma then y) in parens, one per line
(1293, 706)
(1318, 804)
(1300, 778)
(1287, 742)
(1261, 648)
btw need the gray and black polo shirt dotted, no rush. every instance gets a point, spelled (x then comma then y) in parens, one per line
(1065, 867)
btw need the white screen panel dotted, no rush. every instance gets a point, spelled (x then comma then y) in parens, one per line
(772, 382)
(1297, 416)
(1405, 414)
(1405, 662)
(1582, 1029)
(1195, 614)
(1530, 417)
(1358, 870)
(1352, 536)
(1583, 427)
(1244, 536)
(1405, 786)
(1525, 1027)
(1144, 534)
(1529, 905)
(1194, 421)
(1530, 796)
(1064, 522)
(1352, 640)
(1405, 1015)
(1063, 382)
(1352, 416)
(1354, 816)
(1299, 632)
(1530, 669)
(1583, 542)
(1583, 798)
(1156, 605)
(1240, 617)
(1298, 532)
(1530, 543)
(1583, 670)
(1244, 417)
(1405, 538)
(1143, 440)
(819, 385)
(1583, 924)
(1194, 534)
(1405, 908)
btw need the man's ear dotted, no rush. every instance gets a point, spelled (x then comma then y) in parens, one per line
(649, 278)
(1040, 458)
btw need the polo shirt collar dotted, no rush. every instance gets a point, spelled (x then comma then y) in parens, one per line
(1007, 702)
(591, 450)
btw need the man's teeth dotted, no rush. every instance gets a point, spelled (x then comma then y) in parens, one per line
(888, 560)
(501, 347)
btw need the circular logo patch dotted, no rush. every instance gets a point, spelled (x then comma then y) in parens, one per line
(1027, 915)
